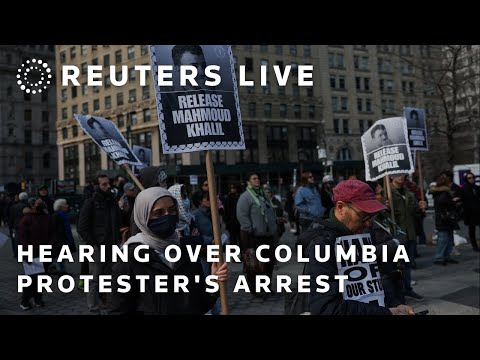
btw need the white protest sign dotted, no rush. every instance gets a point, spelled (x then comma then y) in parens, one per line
(417, 128)
(193, 180)
(386, 150)
(106, 135)
(364, 283)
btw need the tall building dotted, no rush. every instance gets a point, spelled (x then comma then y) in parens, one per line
(467, 107)
(27, 121)
(286, 128)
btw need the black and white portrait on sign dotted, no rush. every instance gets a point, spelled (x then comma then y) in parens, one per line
(417, 128)
(197, 98)
(386, 150)
(106, 135)
(143, 154)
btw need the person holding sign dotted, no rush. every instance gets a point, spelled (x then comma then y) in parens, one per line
(355, 208)
(156, 214)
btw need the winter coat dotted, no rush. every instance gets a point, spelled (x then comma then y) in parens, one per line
(406, 211)
(99, 220)
(331, 302)
(446, 210)
(308, 203)
(196, 302)
(251, 218)
(471, 204)
(35, 229)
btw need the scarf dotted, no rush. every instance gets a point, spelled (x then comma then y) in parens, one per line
(141, 214)
(259, 196)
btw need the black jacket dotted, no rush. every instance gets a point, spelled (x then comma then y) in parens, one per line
(446, 210)
(196, 302)
(331, 302)
(99, 220)
(471, 204)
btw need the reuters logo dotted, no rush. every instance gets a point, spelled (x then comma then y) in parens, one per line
(34, 76)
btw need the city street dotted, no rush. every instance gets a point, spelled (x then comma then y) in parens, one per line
(453, 289)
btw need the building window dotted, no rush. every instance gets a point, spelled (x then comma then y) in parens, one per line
(74, 130)
(267, 89)
(27, 96)
(335, 103)
(307, 142)
(83, 49)
(344, 154)
(341, 82)
(310, 92)
(63, 57)
(92, 159)
(120, 121)
(64, 133)
(307, 50)
(146, 115)
(281, 90)
(74, 110)
(95, 61)
(96, 105)
(85, 108)
(295, 90)
(74, 92)
(279, 49)
(106, 82)
(28, 160)
(133, 118)
(119, 99)
(359, 104)
(267, 110)
(45, 95)
(333, 81)
(361, 126)
(346, 127)
(276, 149)
(131, 74)
(9, 91)
(46, 160)
(45, 136)
(252, 109)
(292, 50)
(131, 52)
(27, 115)
(368, 105)
(108, 102)
(297, 111)
(336, 126)
(27, 136)
(263, 48)
(71, 162)
(106, 60)
(146, 92)
(311, 111)
(248, 64)
(64, 113)
(344, 103)
(118, 56)
(132, 95)
(250, 154)
(143, 50)
(73, 51)
(283, 110)
(83, 68)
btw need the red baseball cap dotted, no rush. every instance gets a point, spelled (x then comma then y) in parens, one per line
(359, 194)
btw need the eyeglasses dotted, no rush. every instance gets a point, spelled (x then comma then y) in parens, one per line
(362, 216)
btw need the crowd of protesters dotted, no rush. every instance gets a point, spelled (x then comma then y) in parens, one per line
(251, 215)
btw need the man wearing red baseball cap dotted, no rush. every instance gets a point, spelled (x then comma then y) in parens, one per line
(355, 208)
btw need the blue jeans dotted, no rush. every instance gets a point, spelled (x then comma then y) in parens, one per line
(444, 245)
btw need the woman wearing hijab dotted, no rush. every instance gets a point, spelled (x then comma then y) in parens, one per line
(156, 215)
